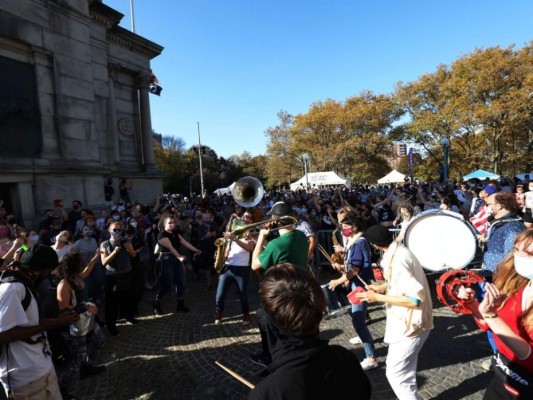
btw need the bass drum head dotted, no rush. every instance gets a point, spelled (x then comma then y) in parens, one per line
(441, 240)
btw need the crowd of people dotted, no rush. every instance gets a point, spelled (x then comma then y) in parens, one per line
(81, 270)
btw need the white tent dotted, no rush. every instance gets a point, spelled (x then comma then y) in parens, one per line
(319, 179)
(221, 191)
(392, 177)
(226, 190)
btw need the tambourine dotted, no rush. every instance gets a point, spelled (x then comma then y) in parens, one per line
(448, 282)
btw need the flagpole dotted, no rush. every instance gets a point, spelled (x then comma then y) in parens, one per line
(200, 157)
(132, 17)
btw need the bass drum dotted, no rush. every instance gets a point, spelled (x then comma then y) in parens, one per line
(441, 240)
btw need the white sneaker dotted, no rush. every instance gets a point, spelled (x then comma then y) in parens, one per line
(366, 365)
(356, 340)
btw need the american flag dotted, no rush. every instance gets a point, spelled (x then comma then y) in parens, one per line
(480, 221)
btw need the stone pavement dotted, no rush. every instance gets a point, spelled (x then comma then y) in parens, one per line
(173, 356)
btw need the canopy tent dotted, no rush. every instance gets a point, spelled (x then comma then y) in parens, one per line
(392, 177)
(319, 179)
(222, 191)
(481, 174)
(522, 177)
(226, 190)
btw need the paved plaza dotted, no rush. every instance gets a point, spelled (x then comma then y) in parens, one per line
(173, 356)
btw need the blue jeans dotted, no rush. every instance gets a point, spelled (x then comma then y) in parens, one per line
(172, 273)
(359, 324)
(239, 275)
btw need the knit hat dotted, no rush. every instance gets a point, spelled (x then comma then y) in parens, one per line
(39, 257)
(378, 235)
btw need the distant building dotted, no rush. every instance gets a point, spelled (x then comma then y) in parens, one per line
(399, 151)
(74, 105)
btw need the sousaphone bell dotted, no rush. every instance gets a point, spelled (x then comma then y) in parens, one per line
(248, 191)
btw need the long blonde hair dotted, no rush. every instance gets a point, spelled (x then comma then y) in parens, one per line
(508, 281)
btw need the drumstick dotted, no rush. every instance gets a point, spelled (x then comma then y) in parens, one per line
(361, 280)
(236, 375)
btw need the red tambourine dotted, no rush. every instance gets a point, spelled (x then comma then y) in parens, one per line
(446, 285)
(352, 296)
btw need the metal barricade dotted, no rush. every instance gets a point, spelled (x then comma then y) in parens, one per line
(320, 262)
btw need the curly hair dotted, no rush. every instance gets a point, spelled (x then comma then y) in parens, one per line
(508, 281)
(293, 298)
(70, 265)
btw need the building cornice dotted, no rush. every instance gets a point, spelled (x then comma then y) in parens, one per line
(110, 18)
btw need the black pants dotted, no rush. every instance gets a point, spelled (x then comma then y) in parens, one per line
(116, 301)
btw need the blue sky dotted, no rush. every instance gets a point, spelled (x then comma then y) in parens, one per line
(233, 64)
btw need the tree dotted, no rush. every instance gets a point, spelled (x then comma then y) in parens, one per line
(169, 157)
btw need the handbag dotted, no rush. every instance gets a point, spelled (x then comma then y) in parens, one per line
(84, 325)
(86, 322)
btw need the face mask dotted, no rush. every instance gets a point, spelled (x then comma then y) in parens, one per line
(34, 239)
(134, 224)
(90, 223)
(62, 239)
(88, 232)
(488, 210)
(347, 232)
(313, 213)
(116, 234)
(116, 217)
(524, 266)
(530, 188)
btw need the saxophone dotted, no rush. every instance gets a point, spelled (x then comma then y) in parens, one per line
(222, 248)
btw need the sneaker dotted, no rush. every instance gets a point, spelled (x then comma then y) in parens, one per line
(486, 364)
(246, 319)
(261, 359)
(366, 365)
(133, 321)
(218, 316)
(356, 340)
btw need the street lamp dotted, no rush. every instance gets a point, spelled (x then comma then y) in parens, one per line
(305, 158)
(445, 143)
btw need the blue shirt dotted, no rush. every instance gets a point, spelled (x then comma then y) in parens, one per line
(500, 239)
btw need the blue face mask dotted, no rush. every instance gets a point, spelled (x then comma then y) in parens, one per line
(88, 232)
(116, 234)
(34, 239)
(116, 217)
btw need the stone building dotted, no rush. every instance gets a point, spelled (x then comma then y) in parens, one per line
(74, 106)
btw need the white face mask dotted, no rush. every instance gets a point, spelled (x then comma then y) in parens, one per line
(524, 266)
(488, 210)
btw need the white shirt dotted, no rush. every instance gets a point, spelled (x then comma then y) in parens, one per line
(405, 277)
(238, 256)
(26, 362)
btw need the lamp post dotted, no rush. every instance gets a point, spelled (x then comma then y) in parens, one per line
(200, 157)
(445, 144)
(305, 158)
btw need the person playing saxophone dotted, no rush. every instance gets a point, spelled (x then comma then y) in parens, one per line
(236, 268)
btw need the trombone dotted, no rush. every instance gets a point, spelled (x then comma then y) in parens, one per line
(287, 218)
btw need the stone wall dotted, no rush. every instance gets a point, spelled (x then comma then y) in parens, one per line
(92, 80)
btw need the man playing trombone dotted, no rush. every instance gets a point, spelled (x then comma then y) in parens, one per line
(290, 247)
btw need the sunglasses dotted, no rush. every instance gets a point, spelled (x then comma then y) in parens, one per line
(117, 230)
